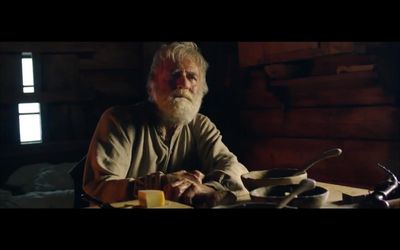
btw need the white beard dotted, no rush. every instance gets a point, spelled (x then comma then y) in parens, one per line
(180, 107)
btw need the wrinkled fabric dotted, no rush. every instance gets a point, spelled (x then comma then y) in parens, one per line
(128, 143)
(48, 199)
(41, 177)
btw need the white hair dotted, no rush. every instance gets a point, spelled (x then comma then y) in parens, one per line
(176, 52)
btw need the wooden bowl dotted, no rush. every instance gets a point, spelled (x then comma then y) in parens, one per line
(276, 176)
(313, 198)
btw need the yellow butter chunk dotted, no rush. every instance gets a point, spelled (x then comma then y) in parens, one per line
(151, 198)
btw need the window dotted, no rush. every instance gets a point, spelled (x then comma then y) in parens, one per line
(30, 125)
(27, 72)
(30, 129)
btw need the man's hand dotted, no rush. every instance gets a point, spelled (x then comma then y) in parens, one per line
(203, 196)
(175, 184)
(189, 189)
(186, 187)
(158, 180)
(195, 176)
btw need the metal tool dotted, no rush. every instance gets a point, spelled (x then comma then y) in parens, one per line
(379, 197)
(304, 185)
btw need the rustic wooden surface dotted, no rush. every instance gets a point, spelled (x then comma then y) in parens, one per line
(377, 122)
(335, 194)
(357, 166)
(135, 204)
(346, 81)
(317, 99)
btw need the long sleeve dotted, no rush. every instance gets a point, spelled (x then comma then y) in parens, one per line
(108, 159)
(222, 168)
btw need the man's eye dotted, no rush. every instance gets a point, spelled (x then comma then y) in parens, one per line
(175, 75)
(192, 77)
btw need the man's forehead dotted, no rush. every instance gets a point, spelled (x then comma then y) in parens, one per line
(187, 64)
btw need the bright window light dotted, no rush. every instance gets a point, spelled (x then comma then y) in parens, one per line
(30, 129)
(29, 89)
(30, 126)
(27, 72)
(25, 108)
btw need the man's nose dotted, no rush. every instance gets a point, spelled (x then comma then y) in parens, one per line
(182, 82)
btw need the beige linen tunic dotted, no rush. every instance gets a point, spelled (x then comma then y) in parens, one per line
(128, 143)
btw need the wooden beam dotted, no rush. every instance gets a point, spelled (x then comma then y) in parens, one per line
(328, 65)
(325, 65)
(381, 123)
(342, 81)
(256, 53)
(372, 95)
(256, 99)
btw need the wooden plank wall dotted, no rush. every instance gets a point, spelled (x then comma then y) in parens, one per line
(292, 111)
(75, 82)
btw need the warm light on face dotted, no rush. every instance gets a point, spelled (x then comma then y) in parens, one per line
(176, 92)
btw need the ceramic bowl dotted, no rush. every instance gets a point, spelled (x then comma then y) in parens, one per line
(314, 198)
(276, 176)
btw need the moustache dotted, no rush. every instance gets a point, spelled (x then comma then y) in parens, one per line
(180, 93)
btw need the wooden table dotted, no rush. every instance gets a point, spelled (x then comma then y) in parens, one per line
(335, 195)
(135, 204)
(336, 191)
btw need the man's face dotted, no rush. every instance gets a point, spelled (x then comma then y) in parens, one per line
(177, 91)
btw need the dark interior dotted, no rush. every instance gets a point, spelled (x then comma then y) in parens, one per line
(277, 104)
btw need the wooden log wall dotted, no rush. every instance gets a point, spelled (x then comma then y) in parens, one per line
(302, 99)
(74, 83)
